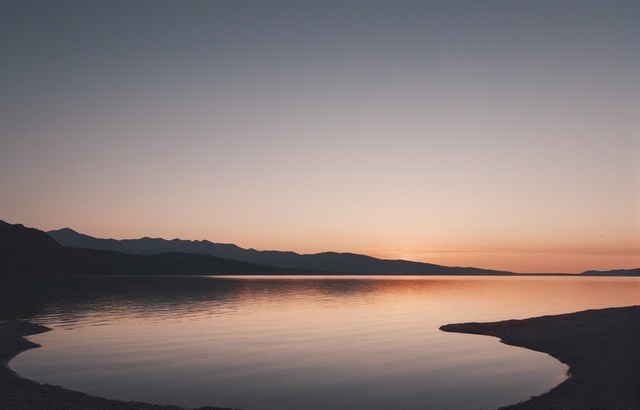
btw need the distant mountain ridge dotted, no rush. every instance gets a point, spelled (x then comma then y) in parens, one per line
(31, 252)
(613, 272)
(330, 262)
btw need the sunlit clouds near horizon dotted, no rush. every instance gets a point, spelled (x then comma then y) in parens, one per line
(494, 134)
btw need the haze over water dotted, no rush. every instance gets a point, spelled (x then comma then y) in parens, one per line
(292, 343)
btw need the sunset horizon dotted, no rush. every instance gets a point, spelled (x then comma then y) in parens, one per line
(495, 134)
(509, 257)
(319, 205)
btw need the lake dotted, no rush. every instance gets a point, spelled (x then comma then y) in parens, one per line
(266, 343)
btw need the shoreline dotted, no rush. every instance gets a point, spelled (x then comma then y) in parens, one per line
(601, 348)
(18, 393)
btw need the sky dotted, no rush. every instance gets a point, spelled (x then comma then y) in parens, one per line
(495, 134)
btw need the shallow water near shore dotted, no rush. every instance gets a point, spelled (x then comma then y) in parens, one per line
(296, 342)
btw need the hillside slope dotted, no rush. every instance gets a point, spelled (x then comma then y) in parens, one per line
(31, 252)
(327, 261)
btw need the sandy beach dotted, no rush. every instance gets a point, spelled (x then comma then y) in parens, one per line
(601, 348)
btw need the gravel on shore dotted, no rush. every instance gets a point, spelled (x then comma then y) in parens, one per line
(601, 348)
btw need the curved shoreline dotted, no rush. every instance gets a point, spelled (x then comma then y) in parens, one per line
(19, 393)
(601, 347)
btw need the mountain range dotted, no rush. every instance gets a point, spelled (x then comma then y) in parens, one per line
(65, 252)
(325, 262)
(31, 252)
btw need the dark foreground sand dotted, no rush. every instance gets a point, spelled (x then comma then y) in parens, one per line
(601, 348)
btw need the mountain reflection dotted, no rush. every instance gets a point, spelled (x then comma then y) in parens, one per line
(76, 300)
(73, 297)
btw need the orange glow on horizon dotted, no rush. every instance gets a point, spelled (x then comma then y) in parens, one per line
(553, 258)
(523, 259)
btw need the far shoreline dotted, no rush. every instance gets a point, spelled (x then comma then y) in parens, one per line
(601, 347)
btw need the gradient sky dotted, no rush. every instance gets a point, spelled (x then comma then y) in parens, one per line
(496, 134)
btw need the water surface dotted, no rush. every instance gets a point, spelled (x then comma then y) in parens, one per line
(298, 342)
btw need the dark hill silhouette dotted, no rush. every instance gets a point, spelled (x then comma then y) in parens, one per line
(31, 252)
(614, 272)
(330, 262)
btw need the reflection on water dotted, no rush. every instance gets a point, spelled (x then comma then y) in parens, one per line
(295, 343)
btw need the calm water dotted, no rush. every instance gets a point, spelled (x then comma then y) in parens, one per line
(296, 343)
